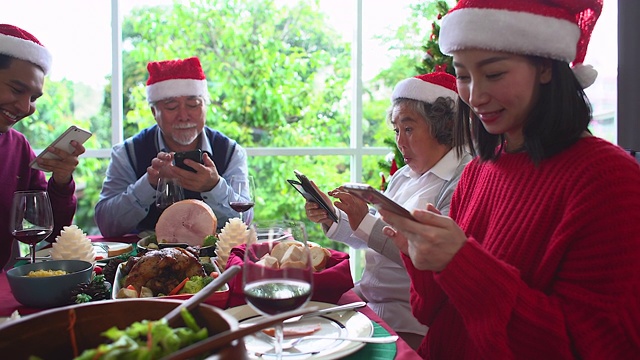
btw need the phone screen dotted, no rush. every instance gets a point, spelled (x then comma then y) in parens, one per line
(377, 199)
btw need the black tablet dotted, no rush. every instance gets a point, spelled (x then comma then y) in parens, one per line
(304, 187)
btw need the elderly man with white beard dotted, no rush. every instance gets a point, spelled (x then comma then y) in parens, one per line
(177, 94)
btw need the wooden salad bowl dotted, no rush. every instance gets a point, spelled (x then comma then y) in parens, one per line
(47, 335)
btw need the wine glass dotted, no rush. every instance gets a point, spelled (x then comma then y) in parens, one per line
(271, 288)
(168, 192)
(31, 218)
(241, 200)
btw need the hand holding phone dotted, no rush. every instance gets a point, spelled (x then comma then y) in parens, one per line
(180, 157)
(304, 187)
(63, 142)
(376, 198)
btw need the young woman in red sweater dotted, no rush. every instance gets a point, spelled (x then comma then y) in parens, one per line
(540, 257)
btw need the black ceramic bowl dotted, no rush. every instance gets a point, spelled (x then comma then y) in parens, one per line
(49, 291)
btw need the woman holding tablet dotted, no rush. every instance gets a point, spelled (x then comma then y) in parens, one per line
(422, 115)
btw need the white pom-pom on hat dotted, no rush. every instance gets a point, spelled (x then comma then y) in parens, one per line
(585, 74)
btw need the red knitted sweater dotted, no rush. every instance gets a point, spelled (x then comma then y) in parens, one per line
(551, 269)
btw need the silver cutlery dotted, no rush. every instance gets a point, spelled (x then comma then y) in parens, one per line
(367, 340)
(326, 311)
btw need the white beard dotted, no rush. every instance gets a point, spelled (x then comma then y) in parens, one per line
(185, 137)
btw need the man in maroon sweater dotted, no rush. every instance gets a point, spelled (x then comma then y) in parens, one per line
(24, 62)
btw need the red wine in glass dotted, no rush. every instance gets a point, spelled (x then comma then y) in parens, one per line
(275, 297)
(31, 236)
(274, 290)
(240, 206)
(241, 198)
(31, 218)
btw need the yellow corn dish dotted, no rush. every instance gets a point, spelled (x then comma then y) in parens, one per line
(45, 273)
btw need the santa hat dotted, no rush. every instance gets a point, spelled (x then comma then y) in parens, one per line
(174, 78)
(19, 44)
(427, 87)
(556, 29)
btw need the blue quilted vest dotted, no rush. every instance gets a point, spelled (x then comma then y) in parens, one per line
(144, 146)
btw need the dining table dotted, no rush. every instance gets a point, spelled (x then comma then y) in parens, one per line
(9, 305)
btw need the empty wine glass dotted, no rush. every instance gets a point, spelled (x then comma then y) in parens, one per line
(274, 283)
(31, 218)
(243, 192)
(168, 192)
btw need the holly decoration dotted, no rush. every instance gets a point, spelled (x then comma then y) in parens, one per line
(433, 60)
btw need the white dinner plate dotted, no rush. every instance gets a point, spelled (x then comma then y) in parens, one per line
(346, 323)
(102, 250)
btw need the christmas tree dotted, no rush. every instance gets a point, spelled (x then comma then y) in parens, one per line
(433, 60)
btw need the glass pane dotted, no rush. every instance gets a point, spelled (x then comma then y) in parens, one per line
(603, 55)
(76, 88)
(278, 72)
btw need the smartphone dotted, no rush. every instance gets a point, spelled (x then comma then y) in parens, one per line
(63, 142)
(304, 187)
(180, 157)
(376, 198)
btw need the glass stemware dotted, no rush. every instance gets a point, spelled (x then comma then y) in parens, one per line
(168, 192)
(243, 192)
(273, 283)
(31, 218)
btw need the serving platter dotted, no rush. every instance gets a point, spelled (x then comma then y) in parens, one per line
(218, 299)
(347, 323)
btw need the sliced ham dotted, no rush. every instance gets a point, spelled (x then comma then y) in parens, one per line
(187, 221)
(297, 331)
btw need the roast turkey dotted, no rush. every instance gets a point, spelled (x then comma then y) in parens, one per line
(162, 270)
(187, 221)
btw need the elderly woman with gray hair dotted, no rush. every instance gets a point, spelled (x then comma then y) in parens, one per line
(422, 116)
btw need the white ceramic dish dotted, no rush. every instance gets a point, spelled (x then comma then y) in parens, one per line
(102, 250)
(347, 323)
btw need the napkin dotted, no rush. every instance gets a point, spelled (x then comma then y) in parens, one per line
(328, 284)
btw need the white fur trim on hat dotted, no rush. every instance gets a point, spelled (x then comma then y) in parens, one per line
(26, 50)
(175, 88)
(509, 31)
(416, 89)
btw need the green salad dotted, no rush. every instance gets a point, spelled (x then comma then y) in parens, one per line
(147, 340)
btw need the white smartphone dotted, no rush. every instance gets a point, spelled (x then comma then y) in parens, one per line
(63, 142)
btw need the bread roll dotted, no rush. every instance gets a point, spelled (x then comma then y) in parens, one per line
(279, 250)
(293, 264)
(294, 253)
(319, 258)
(268, 261)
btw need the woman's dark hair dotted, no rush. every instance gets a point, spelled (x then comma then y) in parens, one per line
(557, 120)
(439, 116)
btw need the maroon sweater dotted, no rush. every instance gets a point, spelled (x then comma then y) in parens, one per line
(551, 269)
(15, 174)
